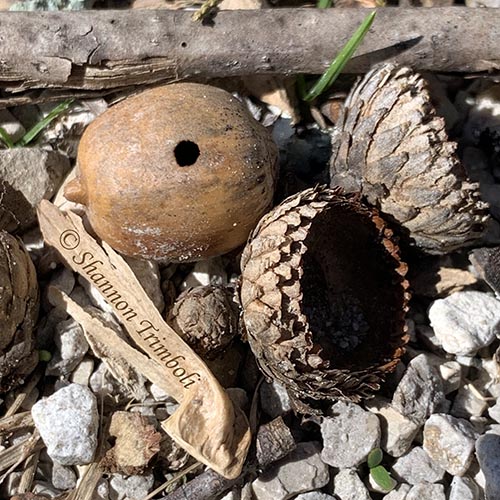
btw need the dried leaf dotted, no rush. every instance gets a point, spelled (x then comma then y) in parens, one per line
(390, 145)
(206, 424)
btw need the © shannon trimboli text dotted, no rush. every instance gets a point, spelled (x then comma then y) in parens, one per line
(92, 269)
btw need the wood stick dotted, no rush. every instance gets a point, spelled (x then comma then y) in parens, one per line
(109, 49)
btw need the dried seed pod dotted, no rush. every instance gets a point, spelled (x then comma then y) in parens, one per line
(206, 317)
(390, 145)
(324, 295)
(18, 312)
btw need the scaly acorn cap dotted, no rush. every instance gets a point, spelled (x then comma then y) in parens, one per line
(324, 296)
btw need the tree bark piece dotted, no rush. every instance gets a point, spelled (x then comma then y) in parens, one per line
(109, 49)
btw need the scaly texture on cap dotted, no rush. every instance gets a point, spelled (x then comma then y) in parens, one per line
(18, 312)
(324, 296)
(390, 145)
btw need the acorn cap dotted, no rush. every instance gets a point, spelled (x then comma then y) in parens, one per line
(389, 144)
(324, 297)
(177, 173)
(19, 301)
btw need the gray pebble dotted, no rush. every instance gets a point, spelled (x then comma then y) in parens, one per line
(467, 403)
(68, 423)
(274, 399)
(148, 274)
(494, 412)
(348, 486)
(131, 487)
(426, 491)
(465, 321)
(449, 441)
(463, 488)
(399, 492)
(314, 495)
(63, 478)
(488, 455)
(349, 435)
(71, 348)
(301, 471)
(416, 466)
(398, 431)
(420, 392)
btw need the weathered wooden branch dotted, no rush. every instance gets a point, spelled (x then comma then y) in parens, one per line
(109, 49)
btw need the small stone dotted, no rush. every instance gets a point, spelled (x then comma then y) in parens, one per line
(349, 435)
(488, 455)
(314, 495)
(420, 392)
(71, 348)
(45, 490)
(130, 488)
(466, 321)
(64, 280)
(32, 5)
(68, 423)
(494, 412)
(416, 466)
(28, 175)
(463, 488)
(206, 272)
(274, 399)
(398, 493)
(486, 262)
(301, 471)
(449, 441)
(426, 491)
(159, 394)
(82, 373)
(11, 125)
(148, 274)
(63, 478)
(238, 396)
(398, 431)
(451, 373)
(348, 486)
(467, 403)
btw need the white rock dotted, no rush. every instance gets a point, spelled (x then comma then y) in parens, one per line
(466, 321)
(131, 487)
(398, 493)
(449, 441)
(68, 423)
(148, 274)
(488, 455)
(398, 431)
(349, 435)
(301, 471)
(426, 491)
(82, 373)
(416, 466)
(11, 125)
(45, 488)
(102, 490)
(468, 403)
(463, 488)
(314, 495)
(494, 412)
(206, 272)
(274, 399)
(71, 348)
(348, 486)
(451, 373)
(63, 478)
(420, 392)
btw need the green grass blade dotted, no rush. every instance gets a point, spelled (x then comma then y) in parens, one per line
(6, 138)
(36, 129)
(324, 4)
(374, 458)
(337, 65)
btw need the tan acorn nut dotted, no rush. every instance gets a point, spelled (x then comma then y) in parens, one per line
(206, 317)
(180, 172)
(324, 297)
(19, 300)
(390, 144)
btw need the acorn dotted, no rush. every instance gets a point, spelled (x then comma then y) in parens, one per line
(178, 173)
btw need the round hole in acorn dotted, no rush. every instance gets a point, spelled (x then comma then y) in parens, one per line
(186, 153)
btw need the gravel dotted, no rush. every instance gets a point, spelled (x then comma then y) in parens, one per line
(348, 486)
(488, 455)
(416, 466)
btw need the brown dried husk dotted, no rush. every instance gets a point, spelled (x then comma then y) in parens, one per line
(315, 265)
(389, 144)
(18, 312)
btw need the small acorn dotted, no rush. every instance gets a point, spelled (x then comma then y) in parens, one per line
(178, 173)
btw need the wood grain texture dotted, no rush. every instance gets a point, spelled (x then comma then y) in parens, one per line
(95, 50)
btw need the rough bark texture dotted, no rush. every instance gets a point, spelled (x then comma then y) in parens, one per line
(390, 145)
(324, 296)
(18, 312)
(105, 49)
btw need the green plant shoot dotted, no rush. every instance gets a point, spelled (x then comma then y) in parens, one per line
(382, 478)
(338, 64)
(6, 138)
(374, 458)
(324, 4)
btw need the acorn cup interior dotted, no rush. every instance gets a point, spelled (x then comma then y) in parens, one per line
(348, 290)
